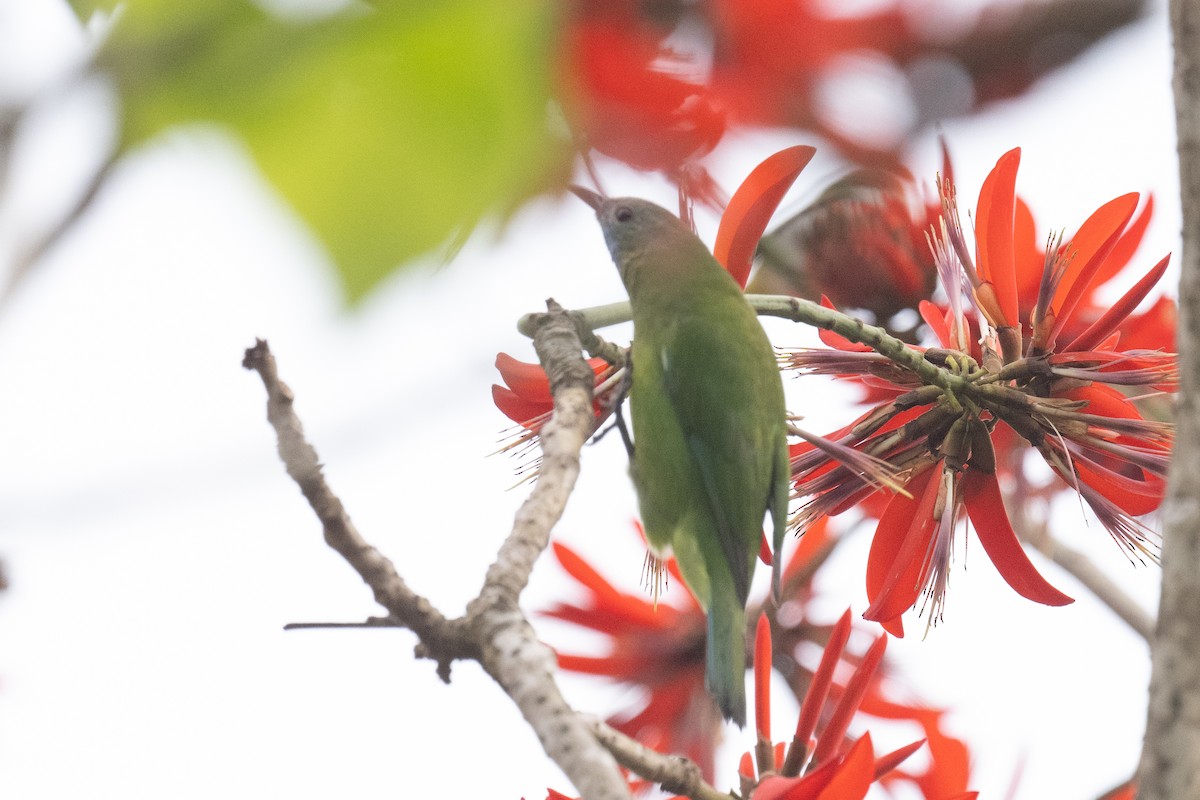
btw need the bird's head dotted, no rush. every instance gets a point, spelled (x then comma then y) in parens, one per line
(632, 226)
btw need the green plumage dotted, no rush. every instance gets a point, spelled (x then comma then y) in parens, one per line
(710, 450)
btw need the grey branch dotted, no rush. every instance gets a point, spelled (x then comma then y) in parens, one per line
(1083, 569)
(442, 639)
(494, 631)
(512, 654)
(1170, 763)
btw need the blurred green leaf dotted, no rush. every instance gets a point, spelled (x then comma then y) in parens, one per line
(389, 128)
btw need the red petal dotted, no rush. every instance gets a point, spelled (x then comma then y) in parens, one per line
(895, 561)
(762, 678)
(1117, 313)
(517, 409)
(746, 766)
(834, 733)
(1029, 257)
(1152, 330)
(764, 551)
(985, 507)
(606, 596)
(623, 666)
(812, 541)
(751, 207)
(526, 379)
(1132, 495)
(951, 767)
(807, 787)
(994, 233)
(887, 763)
(1126, 246)
(935, 318)
(855, 775)
(818, 687)
(1090, 247)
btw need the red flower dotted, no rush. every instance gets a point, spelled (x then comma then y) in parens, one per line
(829, 765)
(657, 85)
(823, 762)
(525, 398)
(658, 647)
(655, 646)
(1043, 375)
(634, 99)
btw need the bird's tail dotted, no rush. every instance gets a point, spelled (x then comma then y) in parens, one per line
(725, 667)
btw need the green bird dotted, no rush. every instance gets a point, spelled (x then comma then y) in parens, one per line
(710, 455)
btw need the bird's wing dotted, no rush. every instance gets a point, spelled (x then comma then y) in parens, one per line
(713, 377)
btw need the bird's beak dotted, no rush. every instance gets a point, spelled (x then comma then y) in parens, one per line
(588, 196)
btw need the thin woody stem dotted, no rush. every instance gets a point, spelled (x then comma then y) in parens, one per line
(441, 638)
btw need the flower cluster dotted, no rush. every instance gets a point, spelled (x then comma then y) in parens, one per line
(1022, 363)
(658, 84)
(658, 648)
(823, 760)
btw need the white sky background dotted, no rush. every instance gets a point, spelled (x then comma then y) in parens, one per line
(156, 547)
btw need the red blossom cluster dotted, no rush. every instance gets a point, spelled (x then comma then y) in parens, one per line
(1034, 361)
(823, 761)
(658, 83)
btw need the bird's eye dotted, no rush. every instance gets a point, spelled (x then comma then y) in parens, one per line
(623, 214)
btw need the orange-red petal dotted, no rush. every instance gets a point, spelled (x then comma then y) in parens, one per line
(855, 774)
(818, 687)
(832, 737)
(935, 318)
(1127, 245)
(762, 677)
(519, 409)
(894, 565)
(985, 507)
(1089, 248)
(751, 207)
(994, 234)
(1120, 310)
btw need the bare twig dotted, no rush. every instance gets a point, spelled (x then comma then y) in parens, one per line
(442, 638)
(494, 631)
(511, 652)
(369, 622)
